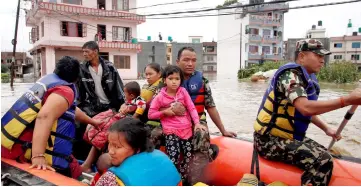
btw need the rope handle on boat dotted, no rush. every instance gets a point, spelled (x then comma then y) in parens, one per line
(347, 117)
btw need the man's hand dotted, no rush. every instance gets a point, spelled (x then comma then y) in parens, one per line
(96, 123)
(354, 98)
(229, 134)
(332, 133)
(178, 109)
(168, 112)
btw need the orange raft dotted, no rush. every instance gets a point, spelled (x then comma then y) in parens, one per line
(233, 160)
(235, 157)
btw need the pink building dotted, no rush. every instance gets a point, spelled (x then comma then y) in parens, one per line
(61, 27)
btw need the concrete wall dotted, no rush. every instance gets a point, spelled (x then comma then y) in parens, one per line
(145, 56)
(228, 45)
(198, 47)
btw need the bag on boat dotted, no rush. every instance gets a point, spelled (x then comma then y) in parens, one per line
(98, 137)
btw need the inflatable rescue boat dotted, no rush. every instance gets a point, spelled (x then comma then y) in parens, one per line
(233, 161)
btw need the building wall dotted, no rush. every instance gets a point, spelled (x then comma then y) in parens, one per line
(144, 57)
(198, 47)
(228, 47)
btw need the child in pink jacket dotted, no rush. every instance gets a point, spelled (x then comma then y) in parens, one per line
(177, 129)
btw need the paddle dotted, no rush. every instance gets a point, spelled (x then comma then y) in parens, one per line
(347, 117)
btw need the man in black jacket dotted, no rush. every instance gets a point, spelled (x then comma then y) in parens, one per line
(100, 89)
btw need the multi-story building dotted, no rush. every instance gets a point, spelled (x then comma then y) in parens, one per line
(254, 35)
(23, 63)
(346, 48)
(61, 27)
(209, 56)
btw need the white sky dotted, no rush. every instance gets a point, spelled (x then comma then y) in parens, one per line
(335, 19)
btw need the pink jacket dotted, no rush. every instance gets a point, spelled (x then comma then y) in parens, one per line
(179, 125)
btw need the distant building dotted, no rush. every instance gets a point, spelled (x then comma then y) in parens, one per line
(346, 48)
(195, 39)
(252, 36)
(61, 27)
(210, 56)
(23, 63)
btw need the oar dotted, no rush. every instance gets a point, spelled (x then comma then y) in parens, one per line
(347, 117)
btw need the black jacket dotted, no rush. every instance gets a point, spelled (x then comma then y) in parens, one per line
(112, 86)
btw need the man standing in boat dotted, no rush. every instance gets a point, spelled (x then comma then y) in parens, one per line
(289, 105)
(200, 91)
(100, 89)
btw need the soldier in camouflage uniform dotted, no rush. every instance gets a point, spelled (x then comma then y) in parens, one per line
(291, 88)
(203, 150)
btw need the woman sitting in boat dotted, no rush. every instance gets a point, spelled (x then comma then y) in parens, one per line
(134, 160)
(40, 126)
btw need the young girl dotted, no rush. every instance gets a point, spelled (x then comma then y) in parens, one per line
(177, 129)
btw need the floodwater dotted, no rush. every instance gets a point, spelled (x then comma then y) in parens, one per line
(238, 101)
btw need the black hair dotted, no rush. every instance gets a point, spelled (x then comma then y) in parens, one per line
(155, 66)
(68, 69)
(133, 88)
(191, 49)
(170, 69)
(91, 45)
(135, 132)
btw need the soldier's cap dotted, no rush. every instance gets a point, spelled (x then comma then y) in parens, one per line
(312, 45)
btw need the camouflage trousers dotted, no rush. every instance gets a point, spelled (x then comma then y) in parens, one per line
(307, 155)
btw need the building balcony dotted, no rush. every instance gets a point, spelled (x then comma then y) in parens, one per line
(264, 22)
(267, 7)
(256, 56)
(264, 39)
(255, 38)
(120, 45)
(66, 9)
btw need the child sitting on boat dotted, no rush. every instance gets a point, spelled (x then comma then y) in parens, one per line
(134, 106)
(177, 129)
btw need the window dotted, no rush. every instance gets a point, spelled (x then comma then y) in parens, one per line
(266, 49)
(122, 62)
(356, 44)
(42, 29)
(169, 50)
(247, 29)
(72, 29)
(104, 55)
(253, 49)
(266, 33)
(210, 49)
(337, 57)
(101, 4)
(210, 68)
(74, 2)
(337, 45)
(209, 58)
(122, 33)
(196, 40)
(37, 33)
(8, 60)
(355, 57)
(254, 31)
(168, 58)
(121, 5)
(274, 50)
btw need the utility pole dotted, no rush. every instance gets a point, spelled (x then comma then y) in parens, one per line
(14, 41)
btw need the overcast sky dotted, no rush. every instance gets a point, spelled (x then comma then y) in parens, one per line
(335, 19)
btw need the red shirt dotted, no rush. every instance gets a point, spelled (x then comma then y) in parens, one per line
(27, 135)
